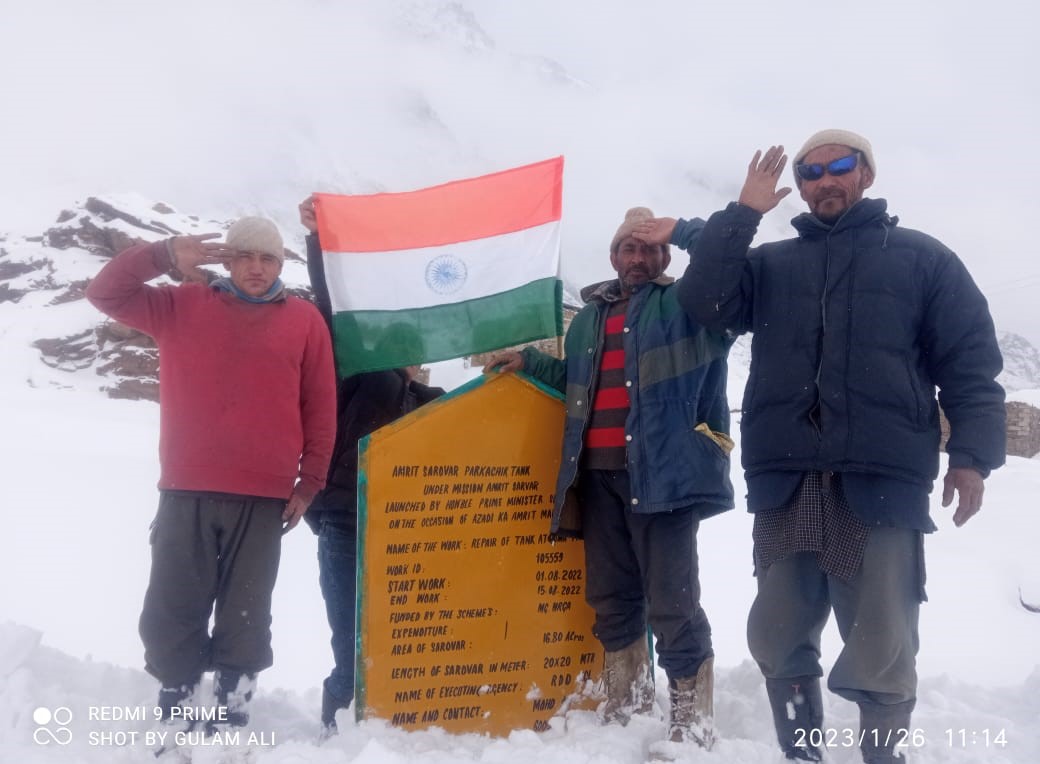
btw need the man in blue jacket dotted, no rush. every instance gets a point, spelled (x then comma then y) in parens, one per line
(856, 322)
(645, 458)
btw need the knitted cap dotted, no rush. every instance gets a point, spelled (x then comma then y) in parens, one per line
(838, 138)
(633, 217)
(256, 235)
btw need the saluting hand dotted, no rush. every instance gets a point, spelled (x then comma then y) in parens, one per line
(760, 192)
(189, 252)
(655, 230)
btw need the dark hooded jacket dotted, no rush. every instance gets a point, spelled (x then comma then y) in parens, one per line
(365, 402)
(855, 326)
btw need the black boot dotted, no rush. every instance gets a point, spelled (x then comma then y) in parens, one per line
(330, 704)
(882, 727)
(169, 697)
(234, 690)
(797, 706)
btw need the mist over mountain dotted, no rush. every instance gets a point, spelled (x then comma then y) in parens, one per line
(233, 107)
(45, 272)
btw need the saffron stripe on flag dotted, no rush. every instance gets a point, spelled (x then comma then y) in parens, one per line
(463, 210)
(377, 339)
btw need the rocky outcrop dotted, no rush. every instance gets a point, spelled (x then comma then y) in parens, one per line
(52, 271)
(1023, 429)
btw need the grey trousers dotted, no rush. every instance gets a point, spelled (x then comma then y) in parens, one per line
(211, 553)
(876, 611)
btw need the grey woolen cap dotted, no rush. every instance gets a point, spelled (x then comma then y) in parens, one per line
(838, 138)
(253, 234)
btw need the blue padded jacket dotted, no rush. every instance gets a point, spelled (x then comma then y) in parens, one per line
(675, 370)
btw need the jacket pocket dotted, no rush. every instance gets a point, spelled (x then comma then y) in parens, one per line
(919, 406)
(720, 439)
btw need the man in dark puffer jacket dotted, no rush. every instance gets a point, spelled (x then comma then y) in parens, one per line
(856, 323)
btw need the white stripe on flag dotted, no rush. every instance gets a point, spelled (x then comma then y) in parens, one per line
(421, 278)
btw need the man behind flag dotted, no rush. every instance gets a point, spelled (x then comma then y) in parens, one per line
(461, 268)
(365, 402)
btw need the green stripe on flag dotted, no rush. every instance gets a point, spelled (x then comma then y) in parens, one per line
(371, 340)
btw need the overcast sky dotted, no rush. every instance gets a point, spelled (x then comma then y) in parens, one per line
(225, 107)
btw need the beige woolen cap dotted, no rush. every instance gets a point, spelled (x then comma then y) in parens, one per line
(838, 138)
(253, 234)
(633, 217)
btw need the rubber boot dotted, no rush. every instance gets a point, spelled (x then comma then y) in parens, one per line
(234, 690)
(882, 728)
(629, 682)
(169, 726)
(169, 697)
(797, 706)
(692, 716)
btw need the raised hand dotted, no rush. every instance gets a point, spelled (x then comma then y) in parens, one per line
(189, 252)
(760, 192)
(307, 215)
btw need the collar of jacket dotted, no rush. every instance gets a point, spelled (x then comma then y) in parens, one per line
(863, 212)
(610, 291)
(275, 294)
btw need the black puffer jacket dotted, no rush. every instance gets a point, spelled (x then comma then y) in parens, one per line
(855, 325)
(366, 402)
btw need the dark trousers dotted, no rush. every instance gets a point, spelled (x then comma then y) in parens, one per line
(211, 553)
(877, 613)
(337, 575)
(642, 568)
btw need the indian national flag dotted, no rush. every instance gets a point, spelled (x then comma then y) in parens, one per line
(446, 271)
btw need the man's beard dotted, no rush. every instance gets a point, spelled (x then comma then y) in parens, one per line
(628, 282)
(831, 213)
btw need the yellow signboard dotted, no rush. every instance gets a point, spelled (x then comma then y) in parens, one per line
(469, 618)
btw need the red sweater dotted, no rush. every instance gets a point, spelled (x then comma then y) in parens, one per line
(605, 441)
(247, 392)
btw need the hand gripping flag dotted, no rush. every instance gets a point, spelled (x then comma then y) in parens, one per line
(443, 272)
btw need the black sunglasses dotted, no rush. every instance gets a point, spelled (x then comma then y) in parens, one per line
(816, 170)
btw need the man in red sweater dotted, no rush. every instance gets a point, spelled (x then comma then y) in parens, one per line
(247, 403)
